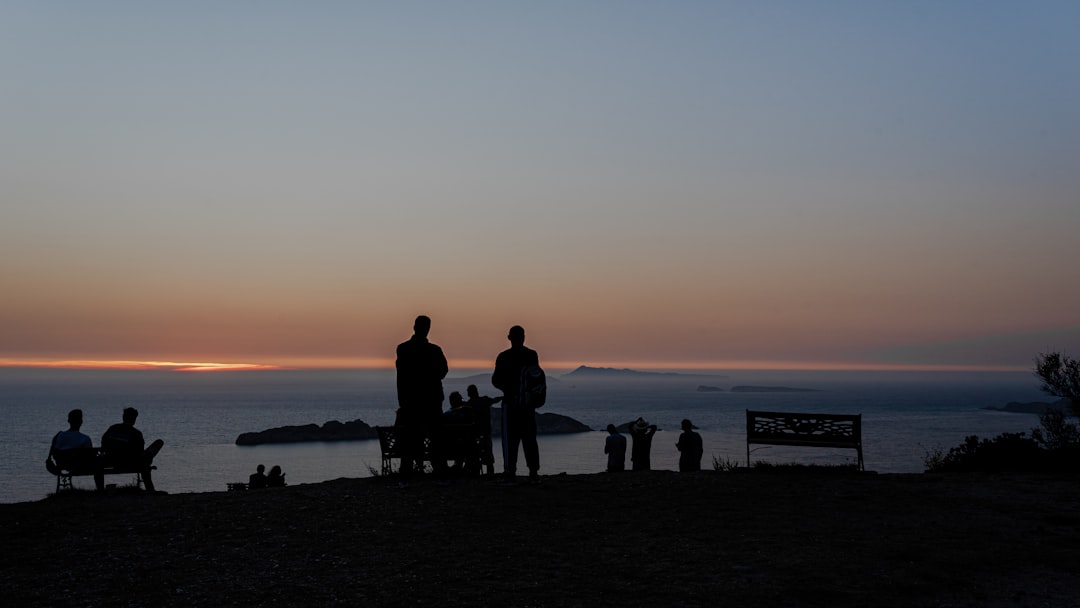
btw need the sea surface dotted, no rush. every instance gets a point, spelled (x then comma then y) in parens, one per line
(199, 416)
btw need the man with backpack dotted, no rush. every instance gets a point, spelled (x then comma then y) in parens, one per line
(518, 375)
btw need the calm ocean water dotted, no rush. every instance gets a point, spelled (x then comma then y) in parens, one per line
(200, 415)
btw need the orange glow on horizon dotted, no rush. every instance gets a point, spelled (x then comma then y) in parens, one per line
(481, 364)
(141, 365)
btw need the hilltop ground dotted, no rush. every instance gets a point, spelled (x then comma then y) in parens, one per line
(742, 538)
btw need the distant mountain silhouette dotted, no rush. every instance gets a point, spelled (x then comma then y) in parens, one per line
(585, 371)
(771, 389)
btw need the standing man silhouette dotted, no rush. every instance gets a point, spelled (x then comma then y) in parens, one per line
(421, 367)
(518, 419)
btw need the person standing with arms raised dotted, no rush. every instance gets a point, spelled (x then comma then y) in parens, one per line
(518, 419)
(421, 367)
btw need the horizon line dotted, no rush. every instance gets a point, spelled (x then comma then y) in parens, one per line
(374, 364)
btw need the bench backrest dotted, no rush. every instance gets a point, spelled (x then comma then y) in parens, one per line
(388, 441)
(76, 459)
(789, 428)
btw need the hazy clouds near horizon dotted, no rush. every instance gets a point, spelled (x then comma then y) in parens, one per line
(633, 182)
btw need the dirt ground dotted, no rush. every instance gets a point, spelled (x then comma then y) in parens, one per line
(741, 538)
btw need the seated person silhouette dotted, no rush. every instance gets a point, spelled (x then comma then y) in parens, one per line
(73, 451)
(258, 479)
(481, 407)
(459, 412)
(123, 447)
(275, 479)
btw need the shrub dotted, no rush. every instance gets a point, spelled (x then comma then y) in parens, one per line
(1006, 452)
(1060, 376)
(1055, 432)
(724, 465)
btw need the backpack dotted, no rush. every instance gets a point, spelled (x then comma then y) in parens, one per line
(533, 387)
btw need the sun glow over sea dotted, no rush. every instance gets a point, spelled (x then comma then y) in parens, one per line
(142, 365)
(475, 364)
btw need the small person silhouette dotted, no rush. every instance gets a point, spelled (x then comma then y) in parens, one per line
(690, 448)
(275, 479)
(642, 433)
(615, 448)
(481, 407)
(258, 479)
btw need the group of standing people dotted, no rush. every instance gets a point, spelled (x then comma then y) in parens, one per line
(122, 447)
(641, 433)
(421, 367)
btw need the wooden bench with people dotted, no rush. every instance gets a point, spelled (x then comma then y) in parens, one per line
(86, 462)
(804, 430)
(72, 453)
(460, 443)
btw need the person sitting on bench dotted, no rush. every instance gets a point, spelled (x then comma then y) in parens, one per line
(123, 446)
(275, 478)
(257, 480)
(73, 450)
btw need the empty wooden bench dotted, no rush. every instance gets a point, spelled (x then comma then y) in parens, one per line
(807, 430)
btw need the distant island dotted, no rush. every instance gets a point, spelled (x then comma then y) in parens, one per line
(547, 423)
(704, 388)
(584, 371)
(1035, 407)
(611, 372)
(771, 389)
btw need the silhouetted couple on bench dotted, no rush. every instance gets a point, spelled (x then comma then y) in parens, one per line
(259, 479)
(123, 450)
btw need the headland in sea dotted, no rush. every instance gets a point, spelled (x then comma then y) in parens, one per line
(748, 538)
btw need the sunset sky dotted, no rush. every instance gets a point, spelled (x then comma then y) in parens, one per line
(645, 184)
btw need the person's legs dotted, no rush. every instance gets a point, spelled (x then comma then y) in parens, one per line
(487, 456)
(148, 481)
(511, 439)
(148, 463)
(528, 442)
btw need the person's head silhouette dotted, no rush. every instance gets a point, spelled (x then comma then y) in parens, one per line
(516, 335)
(75, 419)
(422, 326)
